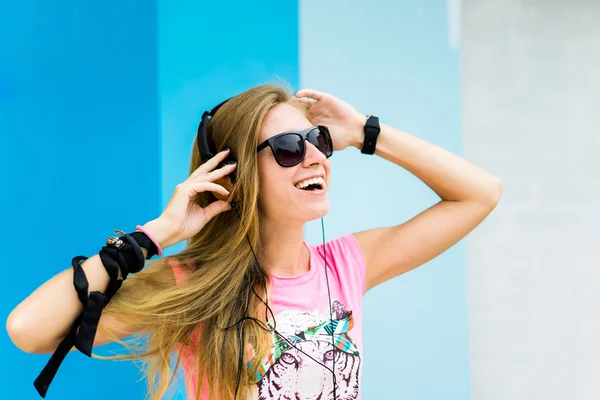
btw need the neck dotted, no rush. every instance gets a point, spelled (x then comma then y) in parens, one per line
(283, 250)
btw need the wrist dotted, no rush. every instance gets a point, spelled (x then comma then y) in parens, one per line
(160, 232)
(359, 124)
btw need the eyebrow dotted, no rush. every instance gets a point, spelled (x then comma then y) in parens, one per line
(297, 130)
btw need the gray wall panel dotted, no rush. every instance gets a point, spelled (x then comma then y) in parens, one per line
(531, 94)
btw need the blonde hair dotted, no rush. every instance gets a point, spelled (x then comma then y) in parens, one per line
(222, 272)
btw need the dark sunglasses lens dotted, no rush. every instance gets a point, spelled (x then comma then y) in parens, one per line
(320, 138)
(289, 149)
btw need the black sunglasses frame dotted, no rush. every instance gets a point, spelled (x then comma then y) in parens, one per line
(270, 142)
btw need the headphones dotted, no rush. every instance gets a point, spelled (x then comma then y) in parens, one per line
(206, 153)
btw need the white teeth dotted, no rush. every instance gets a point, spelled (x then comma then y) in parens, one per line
(312, 181)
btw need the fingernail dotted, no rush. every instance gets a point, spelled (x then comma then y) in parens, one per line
(226, 149)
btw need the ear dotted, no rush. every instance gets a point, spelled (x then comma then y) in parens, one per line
(226, 181)
(227, 184)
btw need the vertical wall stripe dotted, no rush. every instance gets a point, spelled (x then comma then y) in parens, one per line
(531, 95)
(79, 158)
(209, 51)
(393, 59)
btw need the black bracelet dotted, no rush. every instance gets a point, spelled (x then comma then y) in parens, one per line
(145, 242)
(81, 326)
(139, 255)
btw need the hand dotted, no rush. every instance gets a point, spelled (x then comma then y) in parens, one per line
(344, 122)
(183, 218)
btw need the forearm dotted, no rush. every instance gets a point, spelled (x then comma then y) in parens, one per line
(450, 176)
(44, 318)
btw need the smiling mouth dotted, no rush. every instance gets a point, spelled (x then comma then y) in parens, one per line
(312, 184)
(312, 187)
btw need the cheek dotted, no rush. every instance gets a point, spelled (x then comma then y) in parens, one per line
(274, 181)
(271, 191)
(273, 194)
(277, 188)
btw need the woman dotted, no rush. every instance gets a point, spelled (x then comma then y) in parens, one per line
(247, 286)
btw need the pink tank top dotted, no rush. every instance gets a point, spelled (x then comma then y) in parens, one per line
(301, 308)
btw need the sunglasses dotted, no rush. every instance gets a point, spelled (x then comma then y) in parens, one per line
(289, 148)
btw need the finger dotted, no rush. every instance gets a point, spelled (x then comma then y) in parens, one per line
(216, 207)
(184, 192)
(204, 186)
(308, 101)
(219, 172)
(313, 94)
(191, 189)
(212, 163)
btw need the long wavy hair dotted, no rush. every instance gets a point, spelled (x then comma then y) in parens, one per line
(223, 275)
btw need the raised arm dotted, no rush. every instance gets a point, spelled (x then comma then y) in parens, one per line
(468, 193)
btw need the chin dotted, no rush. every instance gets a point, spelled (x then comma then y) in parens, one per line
(314, 211)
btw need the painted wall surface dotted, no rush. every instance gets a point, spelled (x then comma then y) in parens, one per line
(85, 89)
(399, 61)
(79, 156)
(531, 95)
(209, 52)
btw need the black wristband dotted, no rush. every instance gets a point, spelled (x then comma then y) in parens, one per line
(83, 330)
(137, 256)
(145, 242)
(372, 130)
(122, 253)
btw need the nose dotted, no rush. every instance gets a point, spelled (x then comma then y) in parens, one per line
(313, 155)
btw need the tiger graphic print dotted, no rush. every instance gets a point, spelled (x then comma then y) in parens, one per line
(291, 371)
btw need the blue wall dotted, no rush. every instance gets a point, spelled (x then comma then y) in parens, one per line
(87, 88)
(394, 59)
(79, 102)
(75, 78)
(209, 51)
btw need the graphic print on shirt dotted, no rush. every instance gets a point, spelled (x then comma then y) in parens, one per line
(289, 372)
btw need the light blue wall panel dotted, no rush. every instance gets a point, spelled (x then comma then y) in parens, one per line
(395, 60)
